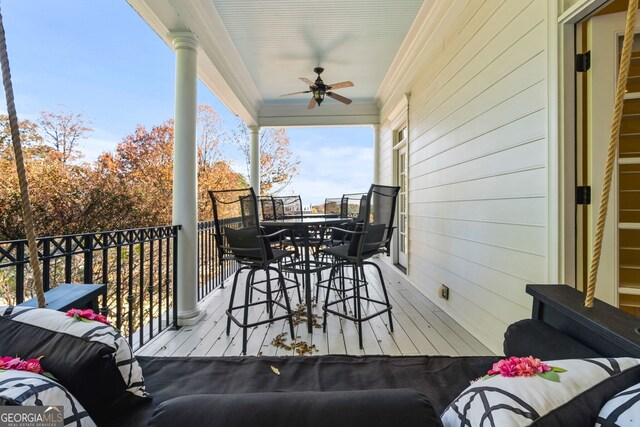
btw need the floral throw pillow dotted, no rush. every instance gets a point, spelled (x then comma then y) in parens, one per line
(23, 388)
(513, 400)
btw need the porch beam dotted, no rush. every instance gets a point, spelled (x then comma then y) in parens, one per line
(328, 114)
(254, 169)
(185, 175)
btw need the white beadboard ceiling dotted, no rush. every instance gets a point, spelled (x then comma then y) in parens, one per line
(252, 51)
(282, 40)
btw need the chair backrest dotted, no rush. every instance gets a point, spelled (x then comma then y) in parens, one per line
(243, 242)
(377, 214)
(332, 206)
(350, 205)
(287, 206)
(267, 208)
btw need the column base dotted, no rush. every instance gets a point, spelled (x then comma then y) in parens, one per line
(189, 318)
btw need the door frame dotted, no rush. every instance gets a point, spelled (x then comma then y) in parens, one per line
(399, 146)
(562, 122)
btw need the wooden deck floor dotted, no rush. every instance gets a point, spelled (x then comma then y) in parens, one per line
(420, 328)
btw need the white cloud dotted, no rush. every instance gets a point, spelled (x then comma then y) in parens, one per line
(332, 171)
(92, 147)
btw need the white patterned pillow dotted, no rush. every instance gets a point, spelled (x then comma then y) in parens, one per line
(521, 401)
(90, 359)
(621, 411)
(23, 388)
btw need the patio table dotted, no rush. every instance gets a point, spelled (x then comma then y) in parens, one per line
(303, 225)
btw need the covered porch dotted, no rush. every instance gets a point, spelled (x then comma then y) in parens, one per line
(249, 59)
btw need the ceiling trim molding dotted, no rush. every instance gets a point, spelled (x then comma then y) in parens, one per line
(419, 37)
(325, 115)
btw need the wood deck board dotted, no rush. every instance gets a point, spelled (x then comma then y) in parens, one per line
(420, 327)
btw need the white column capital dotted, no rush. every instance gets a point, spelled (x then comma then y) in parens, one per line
(375, 126)
(254, 128)
(184, 40)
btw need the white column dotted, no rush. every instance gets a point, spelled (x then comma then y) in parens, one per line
(254, 169)
(185, 175)
(376, 154)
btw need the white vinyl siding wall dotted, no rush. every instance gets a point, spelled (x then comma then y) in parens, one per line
(478, 162)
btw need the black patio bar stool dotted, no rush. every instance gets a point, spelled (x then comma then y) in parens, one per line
(250, 247)
(371, 236)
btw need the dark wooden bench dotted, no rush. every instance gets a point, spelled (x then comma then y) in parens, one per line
(67, 296)
(607, 330)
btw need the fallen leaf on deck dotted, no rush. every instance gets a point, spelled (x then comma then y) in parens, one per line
(275, 370)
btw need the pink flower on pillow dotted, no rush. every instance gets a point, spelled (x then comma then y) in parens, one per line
(17, 364)
(524, 367)
(9, 362)
(32, 365)
(87, 314)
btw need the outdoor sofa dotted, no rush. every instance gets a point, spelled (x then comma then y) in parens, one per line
(333, 390)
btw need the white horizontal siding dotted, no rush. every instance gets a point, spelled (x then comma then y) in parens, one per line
(478, 162)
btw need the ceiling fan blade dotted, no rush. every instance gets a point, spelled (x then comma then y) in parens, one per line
(295, 93)
(307, 81)
(312, 104)
(340, 85)
(339, 98)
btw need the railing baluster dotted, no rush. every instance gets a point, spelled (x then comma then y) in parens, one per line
(150, 288)
(199, 269)
(46, 264)
(119, 280)
(105, 272)
(141, 292)
(130, 297)
(20, 273)
(88, 258)
(167, 280)
(67, 259)
(174, 292)
(160, 283)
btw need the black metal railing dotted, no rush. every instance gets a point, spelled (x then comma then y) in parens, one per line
(212, 272)
(139, 267)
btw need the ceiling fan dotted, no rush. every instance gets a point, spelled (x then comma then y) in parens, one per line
(319, 90)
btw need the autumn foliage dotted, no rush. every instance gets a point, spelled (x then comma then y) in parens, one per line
(129, 187)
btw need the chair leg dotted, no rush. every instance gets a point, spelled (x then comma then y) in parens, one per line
(233, 295)
(326, 298)
(245, 315)
(287, 304)
(298, 286)
(386, 296)
(364, 281)
(356, 299)
(268, 294)
(342, 288)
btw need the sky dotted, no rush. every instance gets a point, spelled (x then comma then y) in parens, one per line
(99, 58)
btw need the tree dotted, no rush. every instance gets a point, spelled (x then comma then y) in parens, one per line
(143, 163)
(29, 137)
(63, 131)
(210, 134)
(278, 165)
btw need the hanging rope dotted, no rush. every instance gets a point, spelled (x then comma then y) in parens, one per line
(22, 174)
(614, 137)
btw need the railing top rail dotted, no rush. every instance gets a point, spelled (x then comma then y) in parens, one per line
(96, 233)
